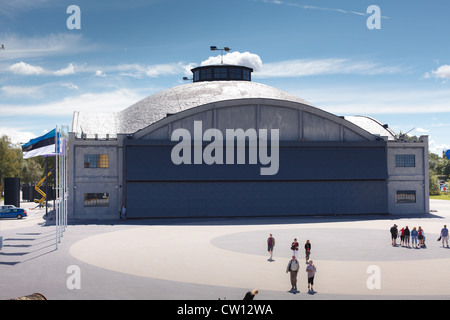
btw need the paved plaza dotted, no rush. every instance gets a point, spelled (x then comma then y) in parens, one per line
(201, 259)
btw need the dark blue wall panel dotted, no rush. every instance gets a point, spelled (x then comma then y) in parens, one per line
(226, 199)
(313, 178)
(310, 162)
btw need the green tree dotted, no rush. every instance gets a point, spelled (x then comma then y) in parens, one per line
(10, 159)
(434, 184)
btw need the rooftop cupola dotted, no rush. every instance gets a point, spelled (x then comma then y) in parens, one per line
(221, 72)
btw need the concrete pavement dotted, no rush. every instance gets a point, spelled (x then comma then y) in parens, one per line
(223, 258)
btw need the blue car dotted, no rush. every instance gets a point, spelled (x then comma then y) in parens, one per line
(13, 213)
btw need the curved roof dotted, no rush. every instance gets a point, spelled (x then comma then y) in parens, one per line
(173, 100)
(373, 126)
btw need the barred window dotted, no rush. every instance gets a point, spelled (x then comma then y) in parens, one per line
(96, 161)
(405, 160)
(96, 199)
(406, 196)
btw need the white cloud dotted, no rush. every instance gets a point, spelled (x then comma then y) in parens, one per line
(69, 85)
(422, 130)
(437, 148)
(312, 67)
(310, 7)
(100, 73)
(19, 47)
(26, 69)
(16, 91)
(443, 72)
(65, 71)
(343, 100)
(111, 101)
(247, 59)
(17, 135)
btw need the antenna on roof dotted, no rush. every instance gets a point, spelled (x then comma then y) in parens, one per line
(403, 135)
(214, 48)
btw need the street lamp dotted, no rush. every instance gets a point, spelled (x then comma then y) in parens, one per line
(214, 48)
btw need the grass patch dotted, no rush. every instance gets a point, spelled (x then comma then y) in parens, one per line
(442, 196)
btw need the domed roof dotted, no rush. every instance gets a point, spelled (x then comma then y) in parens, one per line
(373, 126)
(156, 107)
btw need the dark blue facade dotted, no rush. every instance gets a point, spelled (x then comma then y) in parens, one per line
(313, 178)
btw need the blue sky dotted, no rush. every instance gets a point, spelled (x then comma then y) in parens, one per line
(319, 50)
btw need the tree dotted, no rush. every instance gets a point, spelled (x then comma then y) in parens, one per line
(12, 163)
(10, 159)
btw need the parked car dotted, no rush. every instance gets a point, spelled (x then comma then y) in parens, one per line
(9, 206)
(18, 213)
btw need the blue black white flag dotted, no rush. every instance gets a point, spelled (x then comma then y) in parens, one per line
(41, 146)
(447, 154)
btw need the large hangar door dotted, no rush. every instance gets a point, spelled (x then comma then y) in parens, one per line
(313, 178)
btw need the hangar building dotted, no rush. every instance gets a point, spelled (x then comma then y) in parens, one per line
(326, 164)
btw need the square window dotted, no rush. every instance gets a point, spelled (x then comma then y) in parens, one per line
(96, 161)
(405, 160)
(96, 199)
(406, 196)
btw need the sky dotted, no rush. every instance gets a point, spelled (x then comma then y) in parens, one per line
(344, 57)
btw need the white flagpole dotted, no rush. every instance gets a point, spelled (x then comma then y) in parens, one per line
(57, 183)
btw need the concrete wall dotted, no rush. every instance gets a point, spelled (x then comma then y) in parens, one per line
(94, 180)
(409, 178)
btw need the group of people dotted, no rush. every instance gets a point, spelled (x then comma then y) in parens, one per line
(417, 236)
(294, 266)
(414, 238)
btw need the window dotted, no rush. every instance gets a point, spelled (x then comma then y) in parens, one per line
(96, 161)
(220, 73)
(245, 74)
(405, 160)
(406, 196)
(196, 75)
(235, 73)
(205, 74)
(96, 199)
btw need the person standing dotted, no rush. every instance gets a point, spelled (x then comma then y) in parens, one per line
(293, 267)
(402, 236)
(294, 247)
(311, 271)
(394, 234)
(270, 245)
(123, 212)
(307, 250)
(414, 235)
(420, 237)
(444, 235)
(407, 234)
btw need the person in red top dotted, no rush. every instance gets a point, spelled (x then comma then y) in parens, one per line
(294, 247)
(402, 236)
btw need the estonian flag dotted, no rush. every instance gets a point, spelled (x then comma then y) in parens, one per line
(41, 146)
(447, 153)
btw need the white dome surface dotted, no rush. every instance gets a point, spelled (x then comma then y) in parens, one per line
(156, 107)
